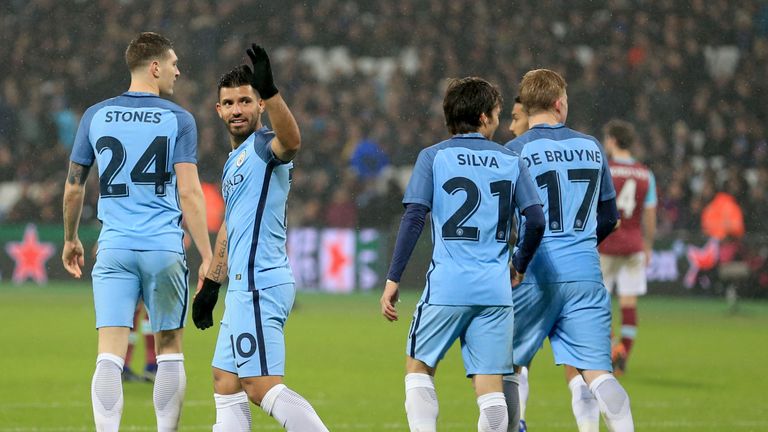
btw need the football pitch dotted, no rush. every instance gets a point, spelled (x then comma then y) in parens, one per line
(697, 366)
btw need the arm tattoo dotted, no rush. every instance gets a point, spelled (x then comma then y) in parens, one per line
(78, 174)
(223, 249)
(217, 273)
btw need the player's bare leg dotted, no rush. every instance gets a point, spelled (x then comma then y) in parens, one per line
(286, 406)
(491, 402)
(107, 385)
(233, 412)
(421, 405)
(611, 398)
(170, 381)
(586, 410)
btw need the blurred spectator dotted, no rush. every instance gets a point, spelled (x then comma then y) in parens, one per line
(365, 83)
(368, 159)
(723, 218)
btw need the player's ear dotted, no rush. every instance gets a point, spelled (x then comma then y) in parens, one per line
(154, 68)
(218, 111)
(262, 106)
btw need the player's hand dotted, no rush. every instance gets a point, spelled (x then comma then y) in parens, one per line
(515, 277)
(205, 301)
(261, 78)
(201, 272)
(388, 299)
(73, 257)
(648, 252)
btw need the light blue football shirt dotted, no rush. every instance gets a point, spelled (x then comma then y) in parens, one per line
(255, 188)
(572, 175)
(471, 186)
(135, 139)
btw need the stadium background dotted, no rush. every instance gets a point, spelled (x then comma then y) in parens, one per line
(364, 80)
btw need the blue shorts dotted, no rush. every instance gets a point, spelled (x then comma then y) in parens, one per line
(576, 316)
(122, 276)
(251, 341)
(485, 333)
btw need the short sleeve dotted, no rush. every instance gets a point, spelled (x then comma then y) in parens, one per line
(607, 190)
(420, 187)
(186, 141)
(82, 151)
(262, 145)
(526, 193)
(650, 196)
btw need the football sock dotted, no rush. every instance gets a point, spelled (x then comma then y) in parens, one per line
(168, 393)
(512, 395)
(628, 327)
(107, 392)
(585, 407)
(291, 410)
(493, 413)
(233, 413)
(614, 403)
(421, 402)
(522, 379)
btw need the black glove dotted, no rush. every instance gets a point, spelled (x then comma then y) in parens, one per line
(205, 301)
(261, 79)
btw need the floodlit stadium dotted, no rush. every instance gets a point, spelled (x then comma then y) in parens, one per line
(365, 82)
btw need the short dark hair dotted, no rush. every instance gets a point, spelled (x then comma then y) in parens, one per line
(622, 131)
(146, 47)
(465, 100)
(239, 76)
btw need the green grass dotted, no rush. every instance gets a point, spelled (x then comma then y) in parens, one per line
(696, 367)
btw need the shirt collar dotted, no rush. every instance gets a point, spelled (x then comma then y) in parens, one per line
(470, 135)
(139, 94)
(548, 126)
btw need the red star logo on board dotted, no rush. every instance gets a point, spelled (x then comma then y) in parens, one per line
(338, 259)
(30, 256)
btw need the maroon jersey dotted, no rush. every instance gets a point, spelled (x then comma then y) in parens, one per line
(635, 190)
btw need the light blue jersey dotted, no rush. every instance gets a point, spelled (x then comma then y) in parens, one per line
(471, 186)
(572, 175)
(255, 187)
(136, 138)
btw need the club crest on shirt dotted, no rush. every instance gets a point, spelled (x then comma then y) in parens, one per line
(241, 158)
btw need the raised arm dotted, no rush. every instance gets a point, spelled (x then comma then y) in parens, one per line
(287, 137)
(72, 255)
(193, 209)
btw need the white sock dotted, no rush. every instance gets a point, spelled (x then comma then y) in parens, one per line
(291, 410)
(168, 394)
(512, 395)
(107, 392)
(233, 413)
(421, 406)
(493, 413)
(585, 407)
(522, 378)
(614, 403)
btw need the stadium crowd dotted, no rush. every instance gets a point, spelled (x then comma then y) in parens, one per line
(365, 81)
